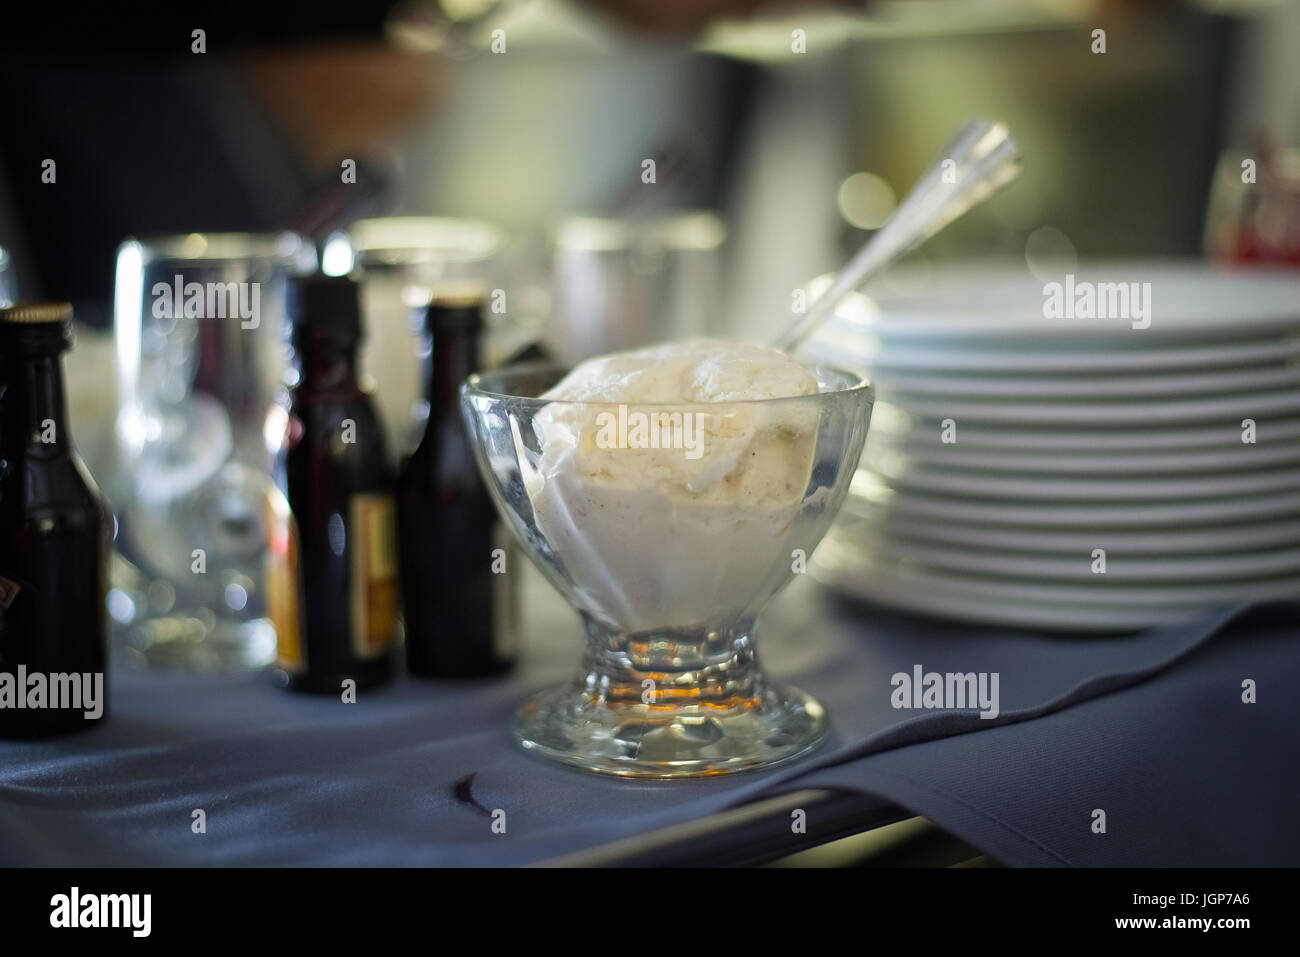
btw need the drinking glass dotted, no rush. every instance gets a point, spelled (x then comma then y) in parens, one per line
(202, 347)
(403, 260)
(1259, 221)
(622, 283)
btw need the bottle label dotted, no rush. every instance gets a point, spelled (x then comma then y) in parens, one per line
(374, 574)
(283, 586)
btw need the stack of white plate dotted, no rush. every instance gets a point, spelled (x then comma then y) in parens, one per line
(1075, 473)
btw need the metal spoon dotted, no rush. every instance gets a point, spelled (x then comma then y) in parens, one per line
(975, 164)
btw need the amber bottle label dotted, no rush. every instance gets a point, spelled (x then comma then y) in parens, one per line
(374, 574)
(283, 586)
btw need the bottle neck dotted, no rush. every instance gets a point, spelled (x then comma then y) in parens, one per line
(327, 367)
(455, 356)
(33, 420)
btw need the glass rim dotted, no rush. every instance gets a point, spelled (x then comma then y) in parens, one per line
(474, 386)
(200, 247)
(417, 240)
(677, 231)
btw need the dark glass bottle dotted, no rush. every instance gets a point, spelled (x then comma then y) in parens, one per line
(54, 539)
(458, 578)
(332, 580)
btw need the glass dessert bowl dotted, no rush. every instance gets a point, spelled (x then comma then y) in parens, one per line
(668, 526)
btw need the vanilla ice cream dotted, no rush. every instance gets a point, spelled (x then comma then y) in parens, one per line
(669, 495)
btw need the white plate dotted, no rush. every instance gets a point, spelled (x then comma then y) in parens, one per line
(1101, 592)
(859, 579)
(1077, 569)
(1192, 541)
(900, 472)
(894, 422)
(962, 456)
(1233, 383)
(1103, 413)
(1136, 414)
(841, 344)
(1061, 515)
(857, 576)
(995, 303)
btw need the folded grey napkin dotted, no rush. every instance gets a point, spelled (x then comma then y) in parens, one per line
(1150, 729)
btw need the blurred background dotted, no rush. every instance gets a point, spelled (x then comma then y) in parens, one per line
(796, 125)
(801, 153)
(514, 142)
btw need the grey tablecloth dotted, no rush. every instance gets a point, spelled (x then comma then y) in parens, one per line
(1151, 729)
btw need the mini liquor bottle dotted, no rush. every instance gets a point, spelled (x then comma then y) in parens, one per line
(458, 576)
(54, 540)
(332, 575)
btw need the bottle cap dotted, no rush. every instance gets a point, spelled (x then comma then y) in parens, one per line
(456, 307)
(36, 312)
(324, 308)
(37, 326)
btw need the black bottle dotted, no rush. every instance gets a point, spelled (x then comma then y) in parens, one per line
(456, 557)
(54, 540)
(332, 575)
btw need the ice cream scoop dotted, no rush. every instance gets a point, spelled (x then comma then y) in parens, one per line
(665, 478)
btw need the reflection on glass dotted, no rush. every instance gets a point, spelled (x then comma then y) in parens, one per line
(621, 283)
(202, 346)
(8, 286)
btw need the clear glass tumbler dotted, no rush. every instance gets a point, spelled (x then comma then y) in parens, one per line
(621, 283)
(402, 261)
(202, 347)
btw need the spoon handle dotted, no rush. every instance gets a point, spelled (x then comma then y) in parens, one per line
(977, 162)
